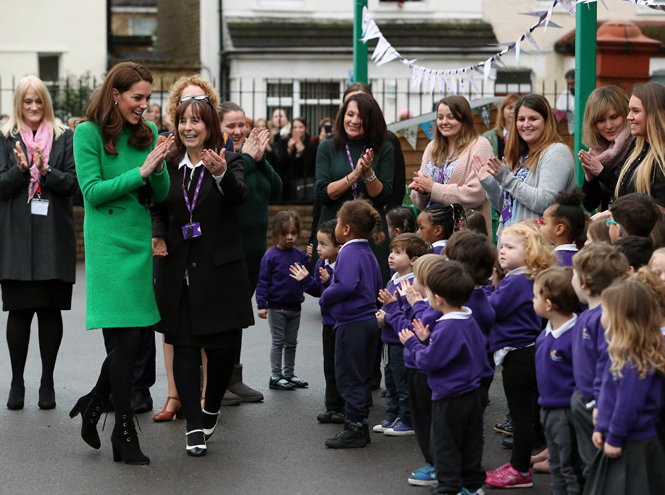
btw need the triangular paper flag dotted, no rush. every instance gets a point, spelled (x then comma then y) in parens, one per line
(472, 80)
(429, 128)
(487, 67)
(411, 136)
(381, 48)
(485, 113)
(529, 36)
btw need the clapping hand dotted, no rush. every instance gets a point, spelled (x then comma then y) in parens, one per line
(257, 143)
(216, 163)
(154, 162)
(386, 297)
(421, 330)
(298, 271)
(324, 276)
(422, 183)
(412, 295)
(591, 165)
(21, 160)
(380, 318)
(405, 335)
(401, 288)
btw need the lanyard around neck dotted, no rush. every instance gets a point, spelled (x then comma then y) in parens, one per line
(192, 205)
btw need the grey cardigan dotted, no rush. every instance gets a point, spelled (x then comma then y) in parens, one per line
(555, 172)
(36, 247)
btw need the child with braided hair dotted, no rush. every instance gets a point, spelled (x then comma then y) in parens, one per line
(438, 222)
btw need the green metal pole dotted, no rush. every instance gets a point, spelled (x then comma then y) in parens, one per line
(359, 48)
(585, 71)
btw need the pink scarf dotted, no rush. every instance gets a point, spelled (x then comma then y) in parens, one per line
(44, 138)
(615, 153)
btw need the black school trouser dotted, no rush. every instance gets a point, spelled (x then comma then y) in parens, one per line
(355, 345)
(420, 398)
(333, 399)
(457, 443)
(519, 384)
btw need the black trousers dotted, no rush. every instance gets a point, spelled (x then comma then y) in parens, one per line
(355, 347)
(333, 399)
(144, 365)
(519, 384)
(420, 397)
(457, 443)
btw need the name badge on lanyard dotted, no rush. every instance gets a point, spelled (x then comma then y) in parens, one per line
(192, 229)
(39, 206)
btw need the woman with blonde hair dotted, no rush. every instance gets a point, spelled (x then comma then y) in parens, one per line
(606, 132)
(504, 121)
(446, 175)
(536, 167)
(37, 241)
(644, 171)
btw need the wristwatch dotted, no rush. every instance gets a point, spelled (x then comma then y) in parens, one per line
(48, 169)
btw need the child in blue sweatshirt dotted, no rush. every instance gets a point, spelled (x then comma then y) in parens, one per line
(351, 298)
(554, 299)
(454, 374)
(327, 249)
(595, 268)
(631, 395)
(437, 223)
(405, 249)
(279, 298)
(524, 253)
(564, 224)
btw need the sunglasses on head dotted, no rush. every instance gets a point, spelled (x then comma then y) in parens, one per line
(198, 97)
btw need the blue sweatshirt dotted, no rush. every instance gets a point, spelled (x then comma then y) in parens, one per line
(276, 288)
(389, 333)
(589, 353)
(439, 246)
(428, 315)
(554, 365)
(318, 287)
(355, 284)
(451, 360)
(564, 254)
(629, 408)
(483, 312)
(517, 324)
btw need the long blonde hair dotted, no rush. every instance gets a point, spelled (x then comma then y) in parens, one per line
(652, 96)
(633, 332)
(538, 252)
(15, 124)
(461, 110)
(516, 147)
(599, 102)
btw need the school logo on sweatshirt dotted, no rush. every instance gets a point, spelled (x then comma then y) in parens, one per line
(585, 334)
(554, 356)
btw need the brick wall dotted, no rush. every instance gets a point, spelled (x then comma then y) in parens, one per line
(179, 30)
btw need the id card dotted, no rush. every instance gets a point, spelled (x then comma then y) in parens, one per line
(506, 213)
(191, 230)
(39, 207)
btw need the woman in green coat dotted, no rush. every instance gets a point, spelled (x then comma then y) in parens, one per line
(120, 168)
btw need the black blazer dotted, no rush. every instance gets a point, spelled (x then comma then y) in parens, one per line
(219, 292)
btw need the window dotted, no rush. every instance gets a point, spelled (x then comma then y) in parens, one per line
(49, 67)
(516, 81)
(143, 26)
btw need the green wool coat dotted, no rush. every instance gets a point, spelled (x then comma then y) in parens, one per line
(117, 230)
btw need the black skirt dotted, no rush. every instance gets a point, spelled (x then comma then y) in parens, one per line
(43, 294)
(228, 339)
(640, 469)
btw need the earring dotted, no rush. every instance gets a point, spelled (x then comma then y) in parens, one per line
(115, 101)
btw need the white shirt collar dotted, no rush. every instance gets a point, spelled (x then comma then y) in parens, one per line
(328, 263)
(562, 329)
(566, 247)
(441, 243)
(186, 161)
(465, 314)
(517, 271)
(351, 242)
(396, 279)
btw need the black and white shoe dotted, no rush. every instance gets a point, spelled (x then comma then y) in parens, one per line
(209, 423)
(196, 444)
(297, 382)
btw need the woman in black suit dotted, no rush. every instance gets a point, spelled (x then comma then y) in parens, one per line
(202, 288)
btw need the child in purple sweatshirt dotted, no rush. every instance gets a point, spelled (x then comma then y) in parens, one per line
(454, 374)
(564, 224)
(279, 298)
(631, 395)
(351, 298)
(554, 299)
(595, 268)
(405, 249)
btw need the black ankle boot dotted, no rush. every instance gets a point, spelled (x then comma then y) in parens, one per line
(46, 395)
(90, 406)
(16, 397)
(125, 442)
(351, 437)
(196, 443)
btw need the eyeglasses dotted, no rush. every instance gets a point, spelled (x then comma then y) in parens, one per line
(197, 97)
(609, 222)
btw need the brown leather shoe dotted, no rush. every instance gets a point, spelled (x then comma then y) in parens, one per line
(165, 414)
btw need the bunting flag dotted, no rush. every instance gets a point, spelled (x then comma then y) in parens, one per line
(411, 135)
(485, 113)
(559, 114)
(429, 128)
(424, 78)
(571, 122)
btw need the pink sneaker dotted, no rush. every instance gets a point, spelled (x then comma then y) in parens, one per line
(508, 477)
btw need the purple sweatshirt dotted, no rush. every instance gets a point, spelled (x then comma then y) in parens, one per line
(389, 333)
(326, 318)
(484, 315)
(589, 353)
(517, 324)
(564, 254)
(451, 358)
(554, 365)
(439, 246)
(355, 284)
(629, 407)
(428, 315)
(276, 288)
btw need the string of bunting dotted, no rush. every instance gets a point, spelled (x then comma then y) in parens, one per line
(431, 79)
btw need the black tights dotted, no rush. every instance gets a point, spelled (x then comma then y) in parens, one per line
(187, 376)
(18, 338)
(117, 371)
